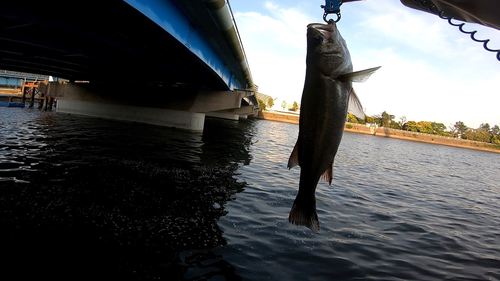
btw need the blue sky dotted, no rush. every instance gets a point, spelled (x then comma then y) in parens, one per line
(430, 70)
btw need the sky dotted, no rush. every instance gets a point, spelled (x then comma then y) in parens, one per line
(430, 70)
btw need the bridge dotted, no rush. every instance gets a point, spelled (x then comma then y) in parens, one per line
(165, 62)
(12, 79)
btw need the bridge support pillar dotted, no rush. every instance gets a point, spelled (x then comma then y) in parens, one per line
(228, 116)
(157, 116)
(165, 106)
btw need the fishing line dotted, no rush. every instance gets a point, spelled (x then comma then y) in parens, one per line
(460, 25)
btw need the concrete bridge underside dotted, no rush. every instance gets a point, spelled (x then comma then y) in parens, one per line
(137, 70)
(182, 108)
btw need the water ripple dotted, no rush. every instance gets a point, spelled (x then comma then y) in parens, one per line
(148, 202)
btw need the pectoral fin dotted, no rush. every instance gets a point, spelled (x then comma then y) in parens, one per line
(358, 76)
(294, 157)
(328, 174)
(355, 106)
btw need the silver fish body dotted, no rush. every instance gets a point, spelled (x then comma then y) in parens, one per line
(326, 99)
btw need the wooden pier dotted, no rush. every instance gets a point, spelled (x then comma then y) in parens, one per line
(30, 95)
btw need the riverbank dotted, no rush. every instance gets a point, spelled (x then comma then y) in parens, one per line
(389, 133)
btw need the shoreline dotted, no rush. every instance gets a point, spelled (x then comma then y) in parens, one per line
(387, 133)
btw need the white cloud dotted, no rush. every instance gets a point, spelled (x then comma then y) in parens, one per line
(422, 92)
(430, 71)
(275, 45)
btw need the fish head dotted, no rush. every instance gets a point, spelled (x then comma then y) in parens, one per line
(327, 50)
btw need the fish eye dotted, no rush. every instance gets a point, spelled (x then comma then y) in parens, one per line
(318, 39)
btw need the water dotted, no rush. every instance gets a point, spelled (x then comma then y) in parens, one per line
(85, 198)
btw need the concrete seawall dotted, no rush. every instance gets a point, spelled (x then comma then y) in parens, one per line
(390, 133)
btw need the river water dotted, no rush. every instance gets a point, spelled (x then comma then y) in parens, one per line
(85, 198)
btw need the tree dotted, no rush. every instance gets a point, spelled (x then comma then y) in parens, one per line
(262, 105)
(484, 132)
(495, 139)
(411, 126)
(369, 119)
(295, 106)
(438, 128)
(425, 127)
(396, 125)
(377, 118)
(403, 121)
(460, 128)
(386, 119)
(468, 135)
(352, 118)
(485, 127)
(270, 102)
(452, 130)
(283, 104)
(495, 130)
(477, 135)
(482, 135)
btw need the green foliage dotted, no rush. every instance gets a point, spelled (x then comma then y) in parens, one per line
(295, 106)
(477, 135)
(270, 102)
(485, 127)
(460, 127)
(495, 139)
(369, 119)
(446, 134)
(485, 132)
(411, 126)
(355, 119)
(262, 105)
(395, 125)
(377, 119)
(352, 118)
(283, 104)
(438, 128)
(425, 127)
(402, 122)
(386, 119)
(482, 135)
(495, 130)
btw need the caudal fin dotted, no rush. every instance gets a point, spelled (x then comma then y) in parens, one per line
(304, 215)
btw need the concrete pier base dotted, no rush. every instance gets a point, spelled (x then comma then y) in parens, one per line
(158, 116)
(178, 107)
(228, 116)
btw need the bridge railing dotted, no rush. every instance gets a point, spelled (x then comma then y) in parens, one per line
(239, 38)
(24, 74)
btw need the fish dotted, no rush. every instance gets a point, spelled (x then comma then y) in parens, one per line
(327, 97)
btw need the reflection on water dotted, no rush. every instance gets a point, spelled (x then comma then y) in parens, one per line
(118, 199)
(85, 198)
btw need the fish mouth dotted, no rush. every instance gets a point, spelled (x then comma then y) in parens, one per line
(332, 54)
(325, 29)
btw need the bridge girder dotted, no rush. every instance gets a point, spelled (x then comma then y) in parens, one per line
(98, 41)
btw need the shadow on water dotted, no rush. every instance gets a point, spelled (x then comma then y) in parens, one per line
(85, 198)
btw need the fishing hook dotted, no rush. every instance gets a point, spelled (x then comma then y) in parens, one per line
(460, 26)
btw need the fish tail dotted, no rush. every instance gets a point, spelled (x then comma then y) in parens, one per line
(304, 214)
